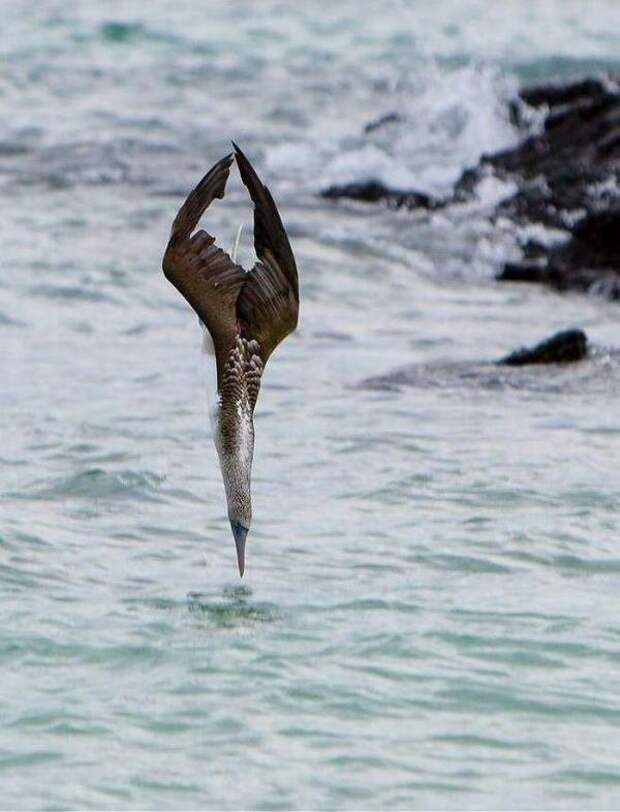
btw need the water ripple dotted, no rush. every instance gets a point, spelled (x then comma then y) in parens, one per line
(97, 483)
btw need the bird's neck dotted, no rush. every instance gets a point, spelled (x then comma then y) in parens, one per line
(234, 435)
(234, 440)
(232, 397)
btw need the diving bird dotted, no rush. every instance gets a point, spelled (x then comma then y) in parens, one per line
(245, 315)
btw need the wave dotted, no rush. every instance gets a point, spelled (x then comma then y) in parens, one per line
(454, 117)
(96, 483)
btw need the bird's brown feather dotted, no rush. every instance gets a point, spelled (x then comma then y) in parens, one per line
(261, 305)
(268, 304)
(204, 274)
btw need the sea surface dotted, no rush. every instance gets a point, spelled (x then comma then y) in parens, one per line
(430, 615)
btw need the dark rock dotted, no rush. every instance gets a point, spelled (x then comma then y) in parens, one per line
(561, 348)
(567, 177)
(589, 260)
(554, 95)
(373, 192)
(465, 186)
(524, 272)
(378, 123)
(559, 169)
(596, 239)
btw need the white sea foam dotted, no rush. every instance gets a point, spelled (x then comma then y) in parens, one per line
(370, 163)
(298, 158)
(459, 116)
(545, 235)
(492, 190)
(608, 188)
(448, 121)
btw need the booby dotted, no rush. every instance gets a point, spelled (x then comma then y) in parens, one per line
(245, 314)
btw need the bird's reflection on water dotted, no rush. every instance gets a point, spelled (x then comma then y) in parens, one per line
(233, 608)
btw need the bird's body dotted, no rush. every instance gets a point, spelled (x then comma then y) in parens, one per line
(245, 314)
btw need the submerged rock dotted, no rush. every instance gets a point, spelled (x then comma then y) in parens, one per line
(561, 348)
(546, 367)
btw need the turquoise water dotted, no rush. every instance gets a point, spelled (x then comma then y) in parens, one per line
(430, 613)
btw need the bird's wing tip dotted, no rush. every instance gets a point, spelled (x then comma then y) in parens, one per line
(241, 157)
(225, 163)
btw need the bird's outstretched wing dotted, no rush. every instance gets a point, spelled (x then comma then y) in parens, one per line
(204, 274)
(268, 304)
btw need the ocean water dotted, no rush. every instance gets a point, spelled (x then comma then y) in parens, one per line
(430, 613)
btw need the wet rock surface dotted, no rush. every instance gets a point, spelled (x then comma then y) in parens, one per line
(588, 261)
(561, 348)
(567, 176)
(374, 191)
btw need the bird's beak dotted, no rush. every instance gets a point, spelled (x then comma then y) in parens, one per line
(240, 533)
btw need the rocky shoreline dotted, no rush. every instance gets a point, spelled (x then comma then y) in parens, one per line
(567, 176)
